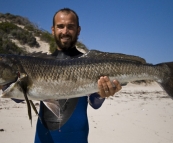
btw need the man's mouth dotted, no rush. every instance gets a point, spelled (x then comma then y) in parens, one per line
(65, 39)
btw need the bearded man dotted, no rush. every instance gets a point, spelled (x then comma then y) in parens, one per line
(72, 124)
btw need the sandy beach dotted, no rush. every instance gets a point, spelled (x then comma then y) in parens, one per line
(138, 113)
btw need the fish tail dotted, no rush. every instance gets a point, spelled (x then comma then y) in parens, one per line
(167, 83)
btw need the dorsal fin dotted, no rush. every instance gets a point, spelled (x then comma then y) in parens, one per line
(98, 54)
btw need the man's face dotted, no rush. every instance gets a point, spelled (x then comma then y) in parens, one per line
(65, 30)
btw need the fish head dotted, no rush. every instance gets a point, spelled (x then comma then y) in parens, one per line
(8, 72)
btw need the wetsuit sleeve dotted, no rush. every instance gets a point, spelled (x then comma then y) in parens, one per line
(95, 100)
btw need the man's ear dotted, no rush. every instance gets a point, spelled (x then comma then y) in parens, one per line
(53, 30)
(79, 29)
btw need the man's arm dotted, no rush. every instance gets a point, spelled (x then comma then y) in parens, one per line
(106, 89)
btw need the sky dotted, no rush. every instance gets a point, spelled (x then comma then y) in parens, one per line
(135, 27)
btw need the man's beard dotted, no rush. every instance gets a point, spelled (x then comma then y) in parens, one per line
(65, 47)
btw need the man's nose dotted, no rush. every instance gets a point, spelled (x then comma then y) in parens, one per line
(65, 30)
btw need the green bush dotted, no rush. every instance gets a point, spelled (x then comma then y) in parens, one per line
(7, 27)
(52, 46)
(8, 47)
(29, 27)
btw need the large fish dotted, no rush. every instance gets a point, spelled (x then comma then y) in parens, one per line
(49, 78)
(46, 78)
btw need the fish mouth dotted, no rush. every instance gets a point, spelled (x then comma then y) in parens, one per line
(7, 87)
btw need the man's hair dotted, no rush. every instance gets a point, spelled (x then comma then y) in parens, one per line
(67, 10)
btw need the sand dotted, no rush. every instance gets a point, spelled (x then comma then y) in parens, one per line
(137, 114)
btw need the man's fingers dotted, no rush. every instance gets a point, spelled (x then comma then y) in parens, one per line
(107, 88)
(111, 88)
(104, 81)
(101, 88)
(117, 85)
(104, 87)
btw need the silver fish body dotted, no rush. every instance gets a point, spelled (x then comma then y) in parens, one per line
(49, 78)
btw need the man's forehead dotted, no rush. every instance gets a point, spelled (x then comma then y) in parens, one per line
(66, 15)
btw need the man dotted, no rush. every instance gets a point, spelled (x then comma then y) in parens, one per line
(72, 126)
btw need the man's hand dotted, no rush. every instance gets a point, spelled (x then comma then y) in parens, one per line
(107, 88)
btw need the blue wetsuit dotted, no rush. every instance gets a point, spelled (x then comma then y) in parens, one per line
(75, 129)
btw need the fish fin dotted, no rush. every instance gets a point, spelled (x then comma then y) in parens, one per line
(53, 106)
(28, 107)
(23, 87)
(168, 83)
(95, 54)
(35, 109)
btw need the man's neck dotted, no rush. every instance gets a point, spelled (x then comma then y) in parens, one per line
(59, 49)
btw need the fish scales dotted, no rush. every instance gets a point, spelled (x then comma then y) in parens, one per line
(83, 68)
(58, 79)
(79, 72)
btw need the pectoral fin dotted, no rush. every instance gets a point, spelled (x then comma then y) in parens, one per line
(54, 107)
